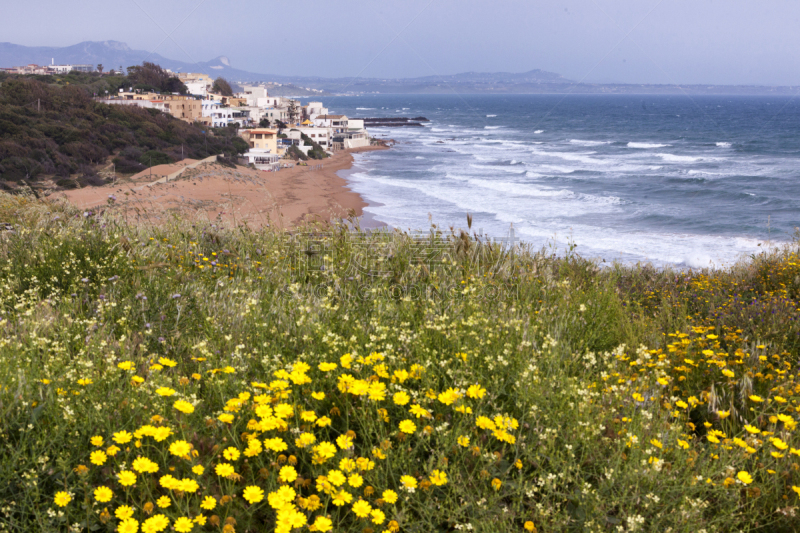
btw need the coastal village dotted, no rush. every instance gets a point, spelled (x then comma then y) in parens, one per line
(275, 127)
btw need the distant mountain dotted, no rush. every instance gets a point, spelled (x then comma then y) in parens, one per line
(113, 54)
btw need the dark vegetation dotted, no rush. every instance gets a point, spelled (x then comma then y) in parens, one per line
(50, 127)
(221, 86)
(317, 151)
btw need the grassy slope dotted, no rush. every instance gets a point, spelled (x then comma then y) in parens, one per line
(626, 390)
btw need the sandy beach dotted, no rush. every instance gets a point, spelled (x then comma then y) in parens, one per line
(237, 196)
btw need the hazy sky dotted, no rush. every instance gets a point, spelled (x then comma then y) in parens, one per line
(630, 41)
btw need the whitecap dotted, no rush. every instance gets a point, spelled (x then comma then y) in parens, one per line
(646, 145)
(579, 142)
(679, 158)
(723, 144)
(539, 131)
(490, 116)
(419, 157)
(365, 108)
(492, 127)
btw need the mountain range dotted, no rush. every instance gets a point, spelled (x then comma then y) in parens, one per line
(115, 54)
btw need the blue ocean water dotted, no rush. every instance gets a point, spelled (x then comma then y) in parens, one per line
(668, 179)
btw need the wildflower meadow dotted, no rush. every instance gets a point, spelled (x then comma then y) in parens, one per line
(185, 376)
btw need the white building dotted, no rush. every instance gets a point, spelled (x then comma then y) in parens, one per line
(221, 117)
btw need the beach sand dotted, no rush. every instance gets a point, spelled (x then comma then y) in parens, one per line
(214, 193)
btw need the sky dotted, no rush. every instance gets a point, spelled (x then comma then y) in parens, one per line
(621, 41)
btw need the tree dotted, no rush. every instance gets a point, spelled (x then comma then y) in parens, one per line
(221, 86)
(100, 68)
(149, 76)
(263, 123)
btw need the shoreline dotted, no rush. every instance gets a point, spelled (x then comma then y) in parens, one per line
(212, 192)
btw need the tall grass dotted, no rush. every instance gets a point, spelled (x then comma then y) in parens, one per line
(545, 393)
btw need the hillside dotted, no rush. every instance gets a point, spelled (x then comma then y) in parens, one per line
(55, 130)
(187, 374)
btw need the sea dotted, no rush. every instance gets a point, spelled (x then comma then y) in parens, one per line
(686, 181)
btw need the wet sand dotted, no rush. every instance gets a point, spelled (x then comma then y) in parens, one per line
(214, 193)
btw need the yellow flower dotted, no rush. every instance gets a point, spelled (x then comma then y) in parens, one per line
(84, 382)
(341, 498)
(778, 443)
(188, 485)
(224, 470)
(327, 367)
(681, 404)
(122, 437)
(127, 478)
(744, 477)
(125, 365)
(476, 391)
(463, 441)
(419, 411)
(103, 494)
(209, 503)
(124, 512)
(344, 442)
(661, 381)
(529, 526)
(253, 494)
(323, 421)
(62, 499)
(97, 457)
(231, 453)
(401, 398)
(389, 496)
(97, 440)
(362, 508)
(496, 484)
(287, 474)
(438, 477)
(378, 516)
(336, 477)
(226, 418)
(449, 396)
(752, 430)
(164, 502)
(355, 480)
(180, 448)
(756, 398)
(723, 414)
(183, 524)
(408, 482)
(155, 524)
(407, 426)
(165, 391)
(128, 525)
(796, 489)
(728, 373)
(184, 407)
(657, 443)
(198, 469)
(143, 465)
(323, 524)
(166, 362)
(485, 423)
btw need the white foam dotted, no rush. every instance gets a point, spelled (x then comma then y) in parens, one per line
(419, 157)
(587, 143)
(539, 131)
(679, 158)
(723, 144)
(646, 145)
(365, 108)
(492, 127)
(490, 116)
